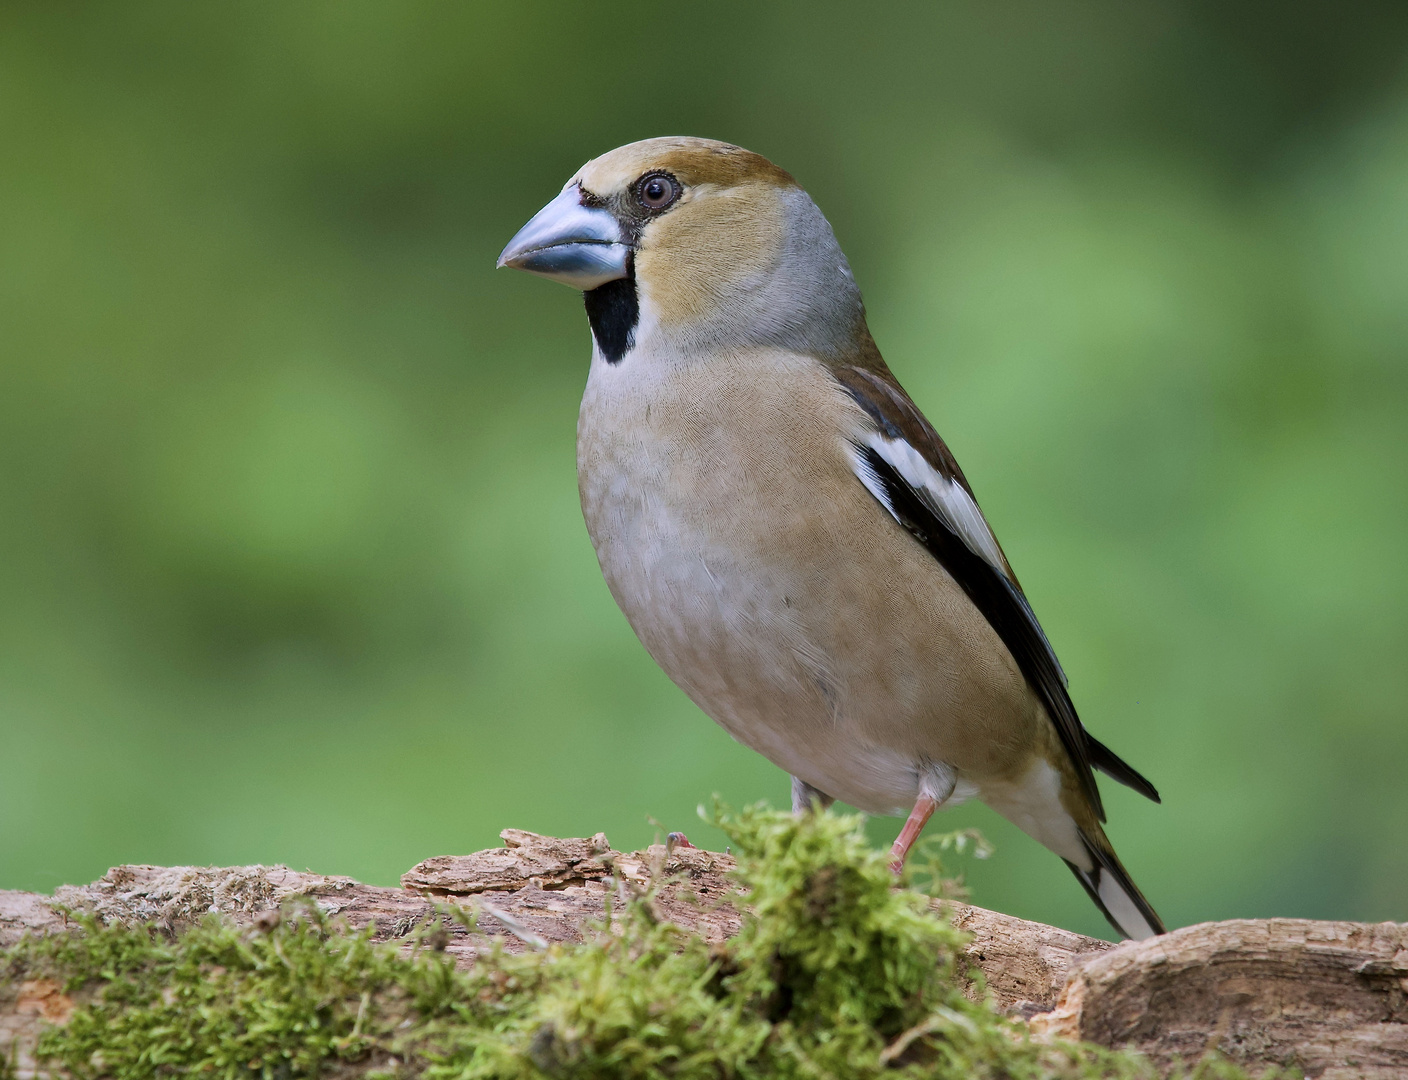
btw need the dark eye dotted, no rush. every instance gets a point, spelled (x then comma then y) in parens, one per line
(657, 190)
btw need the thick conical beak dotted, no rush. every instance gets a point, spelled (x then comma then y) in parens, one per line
(571, 243)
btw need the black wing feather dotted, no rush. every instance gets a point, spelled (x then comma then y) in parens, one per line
(1006, 609)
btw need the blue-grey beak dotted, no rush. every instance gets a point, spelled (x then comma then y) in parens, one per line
(577, 245)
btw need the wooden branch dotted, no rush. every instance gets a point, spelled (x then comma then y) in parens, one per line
(1330, 998)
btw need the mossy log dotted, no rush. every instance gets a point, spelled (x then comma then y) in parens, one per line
(1328, 998)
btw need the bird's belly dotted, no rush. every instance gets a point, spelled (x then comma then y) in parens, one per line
(722, 626)
(810, 627)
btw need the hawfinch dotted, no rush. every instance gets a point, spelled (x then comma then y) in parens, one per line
(786, 533)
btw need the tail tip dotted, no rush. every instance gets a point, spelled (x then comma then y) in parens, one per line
(1118, 898)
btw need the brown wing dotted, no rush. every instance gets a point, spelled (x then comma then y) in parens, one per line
(912, 473)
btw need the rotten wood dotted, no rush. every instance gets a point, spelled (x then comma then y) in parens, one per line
(547, 886)
(1328, 998)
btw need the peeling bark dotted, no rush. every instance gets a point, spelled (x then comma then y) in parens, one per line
(1329, 998)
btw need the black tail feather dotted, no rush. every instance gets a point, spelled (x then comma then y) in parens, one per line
(1116, 768)
(1110, 878)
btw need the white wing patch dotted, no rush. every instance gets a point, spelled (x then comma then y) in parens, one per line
(950, 502)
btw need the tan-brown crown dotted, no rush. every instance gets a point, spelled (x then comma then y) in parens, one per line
(693, 161)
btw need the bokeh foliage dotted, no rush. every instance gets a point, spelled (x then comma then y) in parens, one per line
(291, 566)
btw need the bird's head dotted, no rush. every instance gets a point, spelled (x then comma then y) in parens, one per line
(696, 246)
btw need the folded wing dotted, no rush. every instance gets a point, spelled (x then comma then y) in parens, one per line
(906, 466)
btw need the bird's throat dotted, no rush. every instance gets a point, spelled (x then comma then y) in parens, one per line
(613, 310)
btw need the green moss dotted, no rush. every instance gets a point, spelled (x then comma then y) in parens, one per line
(834, 974)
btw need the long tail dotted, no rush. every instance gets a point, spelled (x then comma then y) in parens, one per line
(1115, 767)
(1114, 893)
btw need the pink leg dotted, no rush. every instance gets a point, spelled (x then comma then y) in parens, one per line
(923, 810)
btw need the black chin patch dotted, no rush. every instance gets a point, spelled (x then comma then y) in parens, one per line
(614, 310)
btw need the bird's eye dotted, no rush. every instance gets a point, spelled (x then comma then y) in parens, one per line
(657, 190)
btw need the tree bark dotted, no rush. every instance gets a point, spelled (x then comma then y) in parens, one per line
(1329, 998)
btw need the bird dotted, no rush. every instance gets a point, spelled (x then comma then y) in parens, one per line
(784, 530)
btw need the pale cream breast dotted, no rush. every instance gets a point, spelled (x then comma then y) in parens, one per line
(772, 587)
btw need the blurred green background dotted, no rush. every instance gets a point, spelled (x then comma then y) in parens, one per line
(291, 563)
